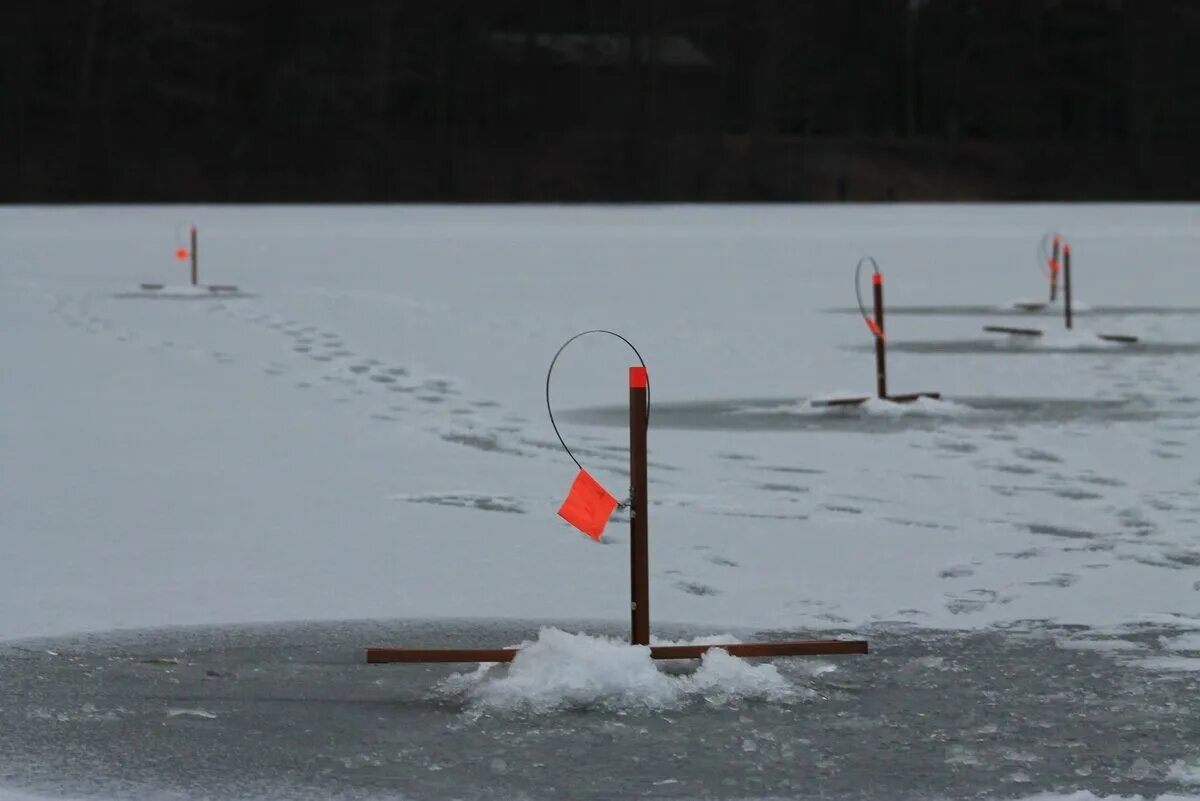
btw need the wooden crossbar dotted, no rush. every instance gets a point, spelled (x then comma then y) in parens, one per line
(1003, 329)
(909, 398)
(1033, 332)
(379, 656)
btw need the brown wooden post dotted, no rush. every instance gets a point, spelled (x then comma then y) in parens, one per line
(194, 257)
(880, 356)
(1067, 283)
(639, 523)
(1054, 270)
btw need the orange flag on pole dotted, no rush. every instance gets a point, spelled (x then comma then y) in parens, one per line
(588, 506)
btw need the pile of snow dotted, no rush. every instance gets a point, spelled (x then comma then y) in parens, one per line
(921, 406)
(1184, 642)
(1185, 772)
(561, 671)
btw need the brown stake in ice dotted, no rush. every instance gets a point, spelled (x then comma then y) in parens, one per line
(1054, 270)
(195, 257)
(639, 523)
(1067, 284)
(880, 353)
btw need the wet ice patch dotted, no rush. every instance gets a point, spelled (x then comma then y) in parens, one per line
(560, 671)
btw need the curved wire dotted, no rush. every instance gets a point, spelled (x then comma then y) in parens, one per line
(858, 290)
(179, 225)
(550, 372)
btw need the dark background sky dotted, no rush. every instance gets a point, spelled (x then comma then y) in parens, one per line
(599, 100)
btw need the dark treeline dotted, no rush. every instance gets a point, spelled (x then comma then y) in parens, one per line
(600, 100)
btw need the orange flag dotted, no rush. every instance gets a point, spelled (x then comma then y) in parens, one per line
(588, 506)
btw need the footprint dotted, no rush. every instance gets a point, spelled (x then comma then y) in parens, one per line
(958, 571)
(1014, 469)
(468, 500)
(1103, 481)
(1028, 553)
(794, 489)
(1061, 531)
(483, 442)
(722, 561)
(1076, 494)
(955, 446)
(1063, 580)
(975, 601)
(808, 471)
(696, 588)
(1035, 455)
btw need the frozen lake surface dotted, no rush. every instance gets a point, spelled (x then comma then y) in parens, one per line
(291, 711)
(360, 435)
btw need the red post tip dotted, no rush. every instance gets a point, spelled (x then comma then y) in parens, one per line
(877, 279)
(193, 229)
(1066, 249)
(638, 378)
(1056, 239)
(181, 254)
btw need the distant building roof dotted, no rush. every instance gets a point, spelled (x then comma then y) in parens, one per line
(597, 49)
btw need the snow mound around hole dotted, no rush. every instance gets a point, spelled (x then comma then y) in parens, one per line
(930, 407)
(817, 407)
(560, 671)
